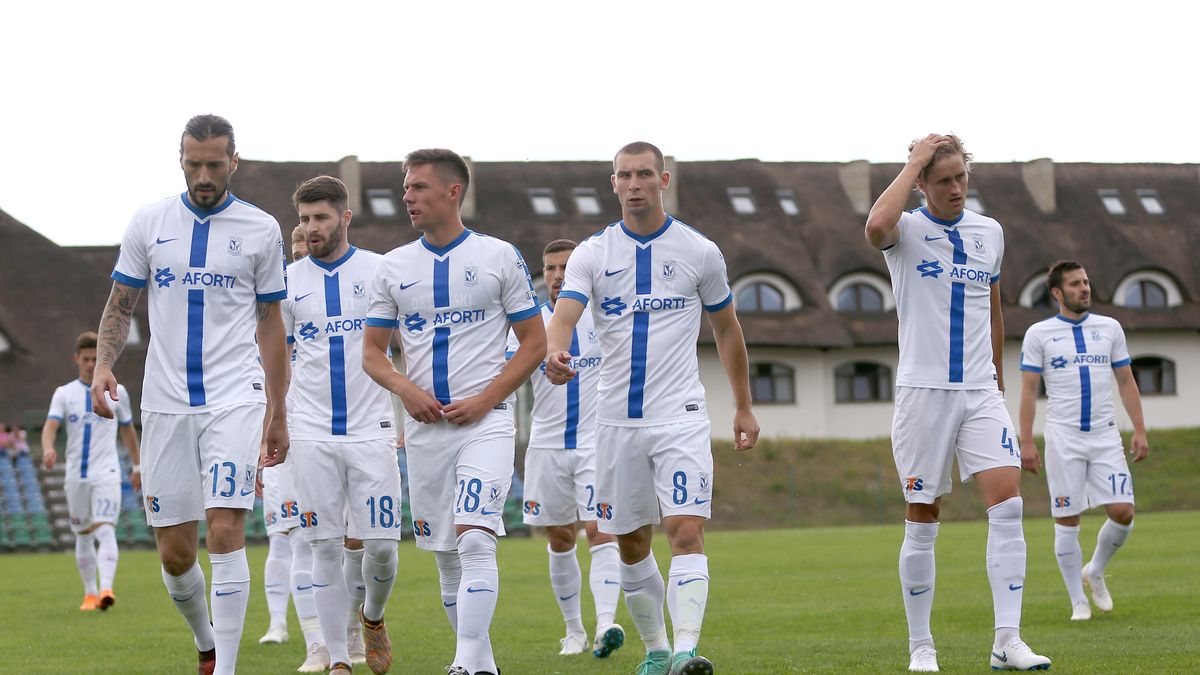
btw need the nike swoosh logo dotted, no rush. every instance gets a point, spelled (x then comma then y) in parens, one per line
(449, 604)
(610, 582)
(219, 594)
(384, 581)
(301, 297)
(303, 588)
(1015, 588)
(929, 238)
(408, 286)
(247, 494)
(702, 501)
(1001, 659)
(920, 592)
(316, 585)
(1056, 339)
(163, 241)
(685, 582)
(609, 273)
(361, 588)
(485, 512)
(479, 590)
(633, 590)
(184, 599)
(277, 585)
(564, 599)
(1062, 554)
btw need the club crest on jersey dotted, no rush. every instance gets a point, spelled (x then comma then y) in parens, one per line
(1096, 334)
(472, 275)
(668, 272)
(360, 289)
(704, 484)
(591, 335)
(235, 246)
(978, 244)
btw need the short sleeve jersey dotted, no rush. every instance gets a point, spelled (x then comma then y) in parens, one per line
(91, 439)
(942, 275)
(565, 417)
(453, 307)
(646, 294)
(204, 270)
(331, 397)
(1076, 359)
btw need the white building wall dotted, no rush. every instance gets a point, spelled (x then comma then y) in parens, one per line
(816, 414)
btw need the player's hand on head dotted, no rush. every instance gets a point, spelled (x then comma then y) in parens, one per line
(422, 406)
(467, 411)
(920, 152)
(103, 382)
(558, 368)
(745, 430)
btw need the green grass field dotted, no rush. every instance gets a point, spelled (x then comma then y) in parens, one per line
(783, 601)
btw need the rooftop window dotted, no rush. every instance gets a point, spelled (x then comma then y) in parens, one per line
(543, 202)
(587, 200)
(1112, 202)
(382, 202)
(742, 201)
(1150, 202)
(787, 202)
(974, 203)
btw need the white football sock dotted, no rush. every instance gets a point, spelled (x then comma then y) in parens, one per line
(379, 575)
(302, 589)
(604, 577)
(449, 577)
(566, 581)
(188, 592)
(918, 572)
(352, 571)
(106, 555)
(329, 595)
(230, 595)
(476, 600)
(85, 560)
(1006, 567)
(644, 595)
(1112, 536)
(687, 596)
(275, 577)
(1070, 561)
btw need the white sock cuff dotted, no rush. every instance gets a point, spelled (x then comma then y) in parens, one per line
(1009, 509)
(477, 548)
(920, 531)
(689, 564)
(184, 582)
(230, 568)
(380, 550)
(1123, 528)
(447, 562)
(562, 554)
(105, 532)
(354, 553)
(1067, 530)
(88, 538)
(602, 547)
(641, 570)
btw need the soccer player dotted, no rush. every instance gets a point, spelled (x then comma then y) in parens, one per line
(560, 476)
(93, 477)
(945, 265)
(453, 295)
(299, 243)
(342, 426)
(1085, 467)
(648, 277)
(217, 362)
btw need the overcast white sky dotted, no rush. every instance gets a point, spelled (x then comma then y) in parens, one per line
(95, 95)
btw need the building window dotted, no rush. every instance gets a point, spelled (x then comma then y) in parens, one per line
(1112, 202)
(5, 345)
(1145, 294)
(974, 203)
(587, 200)
(543, 202)
(759, 296)
(742, 201)
(862, 381)
(772, 383)
(382, 202)
(1154, 375)
(787, 202)
(859, 298)
(1150, 202)
(1042, 298)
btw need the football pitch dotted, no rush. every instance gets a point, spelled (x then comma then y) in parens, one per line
(782, 601)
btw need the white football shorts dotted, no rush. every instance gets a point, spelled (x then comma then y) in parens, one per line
(1085, 469)
(89, 504)
(348, 489)
(560, 486)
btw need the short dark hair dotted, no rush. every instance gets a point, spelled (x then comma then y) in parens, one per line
(322, 189)
(449, 164)
(1054, 276)
(204, 127)
(640, 147)
(558, 246)
(298, 234)
(86, 340)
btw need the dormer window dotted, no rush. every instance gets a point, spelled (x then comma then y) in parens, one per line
(742, 201)
(382, 202)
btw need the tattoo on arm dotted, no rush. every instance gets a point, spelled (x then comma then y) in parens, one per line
(262, 309)
(114, 324)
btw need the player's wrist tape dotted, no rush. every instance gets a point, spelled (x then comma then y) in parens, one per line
(136, 468)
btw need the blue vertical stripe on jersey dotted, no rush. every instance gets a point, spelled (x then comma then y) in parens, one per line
(195, 347)
(441, 364)
(333, 296)
(199, 254)
(570, 432)
(441, 283)
(958, 306)
(644, 276)
(337, 384)
(87, 433)
(644, 269)
(1085, 383)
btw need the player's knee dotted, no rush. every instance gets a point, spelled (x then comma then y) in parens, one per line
(1069, 521)
(327, 550)
(477, 547)
(380, 549)
(686, 535)
(917, 512)
(634, 546)
(1121, 513)
(561, 538)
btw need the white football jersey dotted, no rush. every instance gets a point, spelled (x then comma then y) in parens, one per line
(91, 453)
(331, 397)
(452, 307)
(564, 418)
(942, 275)
(1076, 359)
(646, 294)
(204, 271)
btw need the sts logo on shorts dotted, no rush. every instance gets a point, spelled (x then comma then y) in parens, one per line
(152, 504)
(1062, 502)
(289, 510)
(604, 511)
(421, 528)
(308, 519)
(914, 484)
(533, 508)
(270, 518)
